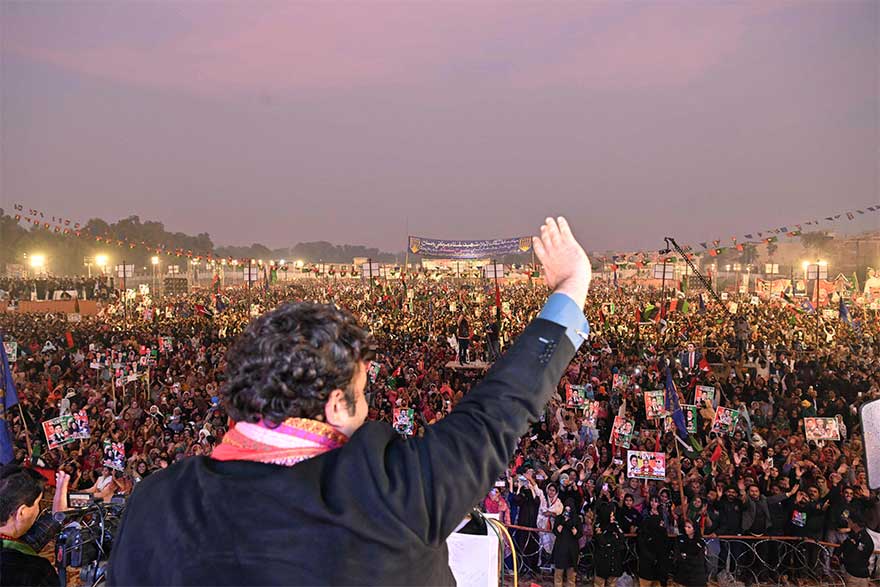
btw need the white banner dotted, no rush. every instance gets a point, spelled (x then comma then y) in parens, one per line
(494, 270)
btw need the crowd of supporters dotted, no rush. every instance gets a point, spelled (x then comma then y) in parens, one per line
(772, 362)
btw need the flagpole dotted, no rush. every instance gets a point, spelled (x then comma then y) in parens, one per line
(406, 255)
(27, 435)
(680, 481)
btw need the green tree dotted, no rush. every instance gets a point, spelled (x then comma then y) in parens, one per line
(818, 243)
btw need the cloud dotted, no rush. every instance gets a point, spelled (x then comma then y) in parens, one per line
(290, 46)
(653, 45)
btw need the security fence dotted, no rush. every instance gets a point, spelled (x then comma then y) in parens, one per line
(731, 560)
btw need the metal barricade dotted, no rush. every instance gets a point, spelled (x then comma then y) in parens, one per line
(731, 560)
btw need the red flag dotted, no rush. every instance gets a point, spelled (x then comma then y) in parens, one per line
(49, 474)
(716, 454)
(69, 338)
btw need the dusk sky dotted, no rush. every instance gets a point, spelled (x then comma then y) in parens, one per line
(280, 122)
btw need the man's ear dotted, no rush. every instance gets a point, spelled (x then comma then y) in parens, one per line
(336, 408)
(18, 513)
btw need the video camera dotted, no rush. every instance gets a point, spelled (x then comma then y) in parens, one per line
(86, 539)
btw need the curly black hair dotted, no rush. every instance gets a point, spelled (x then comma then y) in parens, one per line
(286, 363)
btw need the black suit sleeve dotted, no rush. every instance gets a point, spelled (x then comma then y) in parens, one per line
(438, 478)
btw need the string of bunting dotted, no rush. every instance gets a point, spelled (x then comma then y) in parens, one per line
(69, 227)
(715, 248)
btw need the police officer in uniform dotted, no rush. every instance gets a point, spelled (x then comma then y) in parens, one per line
(855, 552)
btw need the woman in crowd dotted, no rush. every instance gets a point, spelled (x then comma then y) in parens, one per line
(691, 569)
(566, 550)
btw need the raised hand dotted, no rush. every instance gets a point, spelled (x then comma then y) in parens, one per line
(566, 265)
(62, 481)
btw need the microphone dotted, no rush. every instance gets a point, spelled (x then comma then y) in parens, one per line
(73, 514)
(61, 516)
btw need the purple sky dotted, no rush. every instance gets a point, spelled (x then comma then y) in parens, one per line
(280, 122)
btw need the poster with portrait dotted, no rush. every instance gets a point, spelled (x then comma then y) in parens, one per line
(114, 455)
(655, 404)
(704, 393)
(166, 344)
(59, 431)
(690, 419)
(81, 427)
(404, 421)
(645, 465)
(375, 367)
(821, 429)
(11, 348)
(587, 390)
(725, 420)
(575, 395)
(591, 412)
(621, 431)
(620, 381)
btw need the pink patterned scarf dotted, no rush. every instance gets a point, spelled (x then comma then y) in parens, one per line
(293, 441)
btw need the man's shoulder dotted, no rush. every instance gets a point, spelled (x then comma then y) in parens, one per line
(19, 568)
(368, 437)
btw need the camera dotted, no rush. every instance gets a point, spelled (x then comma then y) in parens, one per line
(86, 539)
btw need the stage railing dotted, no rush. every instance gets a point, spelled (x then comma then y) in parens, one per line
(751, 560)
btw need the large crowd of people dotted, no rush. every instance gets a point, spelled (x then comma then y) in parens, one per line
(151, 381)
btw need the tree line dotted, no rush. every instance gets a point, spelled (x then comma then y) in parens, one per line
(66, 254)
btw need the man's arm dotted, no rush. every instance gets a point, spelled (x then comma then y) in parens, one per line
(439, 477)
(45, 529)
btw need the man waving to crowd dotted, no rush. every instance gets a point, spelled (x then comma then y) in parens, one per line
(302, 491)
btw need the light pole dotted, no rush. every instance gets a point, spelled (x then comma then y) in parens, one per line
(816, 270)
(37, 262)
(154, 261)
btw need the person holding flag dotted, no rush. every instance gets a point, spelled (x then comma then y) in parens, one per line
(673, 408)
(844, 312)
(8, 399)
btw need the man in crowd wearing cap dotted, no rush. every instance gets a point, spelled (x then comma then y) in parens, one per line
(855, 552)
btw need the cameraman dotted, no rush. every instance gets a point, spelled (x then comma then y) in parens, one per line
(23, 531)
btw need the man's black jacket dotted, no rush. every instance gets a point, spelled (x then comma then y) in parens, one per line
(18, 568)
(375, 512)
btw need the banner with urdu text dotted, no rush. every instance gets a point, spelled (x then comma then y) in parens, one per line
(478, 249)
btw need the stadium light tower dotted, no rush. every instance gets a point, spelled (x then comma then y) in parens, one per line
(154, 261)
(101, 261)
(37, 262)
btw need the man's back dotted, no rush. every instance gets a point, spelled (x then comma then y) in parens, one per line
(327, 520)
(375, 511)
